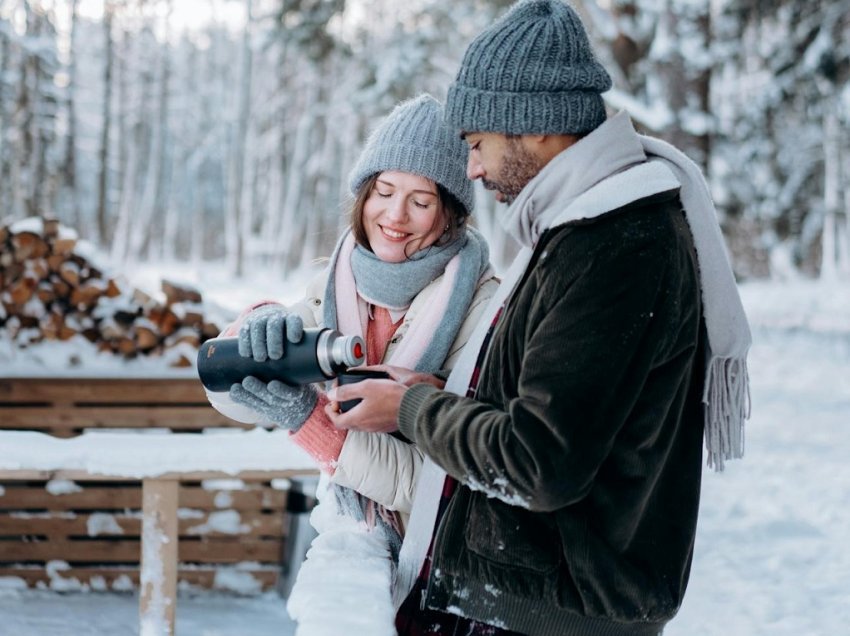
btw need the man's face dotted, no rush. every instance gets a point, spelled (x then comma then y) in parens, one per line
(503, 163)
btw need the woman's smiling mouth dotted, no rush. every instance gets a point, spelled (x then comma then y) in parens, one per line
(394, 235)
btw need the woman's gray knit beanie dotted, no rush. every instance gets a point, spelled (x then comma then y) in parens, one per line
(415, 138)
(531, 72)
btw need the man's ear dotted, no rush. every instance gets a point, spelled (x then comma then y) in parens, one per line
(537, 145)
(547, 146)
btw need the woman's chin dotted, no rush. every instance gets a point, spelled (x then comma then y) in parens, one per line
(390, 253)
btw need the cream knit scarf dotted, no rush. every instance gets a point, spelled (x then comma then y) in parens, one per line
(606, 170)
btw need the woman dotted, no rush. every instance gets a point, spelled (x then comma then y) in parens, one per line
(410, 277)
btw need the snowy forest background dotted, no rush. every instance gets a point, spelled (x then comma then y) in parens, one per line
(220, 133)
(202, 130)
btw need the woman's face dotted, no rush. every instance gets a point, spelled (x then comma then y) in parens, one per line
(402, 215)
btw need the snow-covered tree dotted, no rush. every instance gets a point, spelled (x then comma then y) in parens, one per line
(234, 136)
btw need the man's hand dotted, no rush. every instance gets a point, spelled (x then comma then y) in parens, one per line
(377, 413)
(406, 376)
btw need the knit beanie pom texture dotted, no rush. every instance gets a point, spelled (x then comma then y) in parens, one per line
(531, 72)
(415, 138)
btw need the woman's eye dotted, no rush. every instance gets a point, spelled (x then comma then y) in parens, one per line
(419, 204)
(383, 195)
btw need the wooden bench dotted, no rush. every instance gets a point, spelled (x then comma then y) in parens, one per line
(160, 462)
(72, 515)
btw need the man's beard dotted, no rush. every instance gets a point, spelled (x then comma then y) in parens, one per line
(519, 166)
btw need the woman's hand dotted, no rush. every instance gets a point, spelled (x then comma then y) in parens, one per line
(263, 332)
(380, 399)
(378, 411)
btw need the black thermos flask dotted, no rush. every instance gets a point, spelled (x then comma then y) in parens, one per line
(321, 355)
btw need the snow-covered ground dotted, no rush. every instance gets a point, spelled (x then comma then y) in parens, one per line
(771, 554)
(37, 613)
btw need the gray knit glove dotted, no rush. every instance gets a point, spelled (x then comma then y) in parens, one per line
(284, 405)
(262, 334)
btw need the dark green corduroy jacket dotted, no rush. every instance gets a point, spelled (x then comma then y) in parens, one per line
(580, 457)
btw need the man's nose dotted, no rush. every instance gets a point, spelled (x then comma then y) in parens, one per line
(474, 169)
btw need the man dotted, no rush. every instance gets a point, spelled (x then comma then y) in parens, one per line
(572, 434)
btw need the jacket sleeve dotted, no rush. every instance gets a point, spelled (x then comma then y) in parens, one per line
(543, 446)
(380, 467)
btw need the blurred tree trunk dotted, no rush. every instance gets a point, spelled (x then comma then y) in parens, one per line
(139, 184)
(834, 238)
(70, 200)
(122, 68)
(127, 151)
(658, 55)
(291, 227)
(151, 207)
(844, 235)
(103, 156)
(234, 240)
(165, 214)
(23, 200)
(45, 181)
(685, 70)
(6, 130)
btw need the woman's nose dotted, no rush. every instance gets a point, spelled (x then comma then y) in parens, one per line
(397, 208)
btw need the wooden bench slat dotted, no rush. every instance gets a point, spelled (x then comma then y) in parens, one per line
(202, 576)
(128, 551)
(201, 475)
(54, 525)
(80, 417)
(130, 496)
(99, 391)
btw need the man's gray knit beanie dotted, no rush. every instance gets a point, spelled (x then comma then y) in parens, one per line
(530, 72)
(415, 138)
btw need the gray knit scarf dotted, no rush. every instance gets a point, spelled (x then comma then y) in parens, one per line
(573, 187)
(395, 285)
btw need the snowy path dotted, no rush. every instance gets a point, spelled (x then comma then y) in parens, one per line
(771, 554)
(35, 613)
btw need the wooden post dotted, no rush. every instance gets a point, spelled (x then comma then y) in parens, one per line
(159, 557)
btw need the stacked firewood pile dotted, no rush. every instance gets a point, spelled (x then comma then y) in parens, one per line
(50, 290)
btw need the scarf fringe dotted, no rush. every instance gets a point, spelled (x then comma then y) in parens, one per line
(727, 405)
(376, 517)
